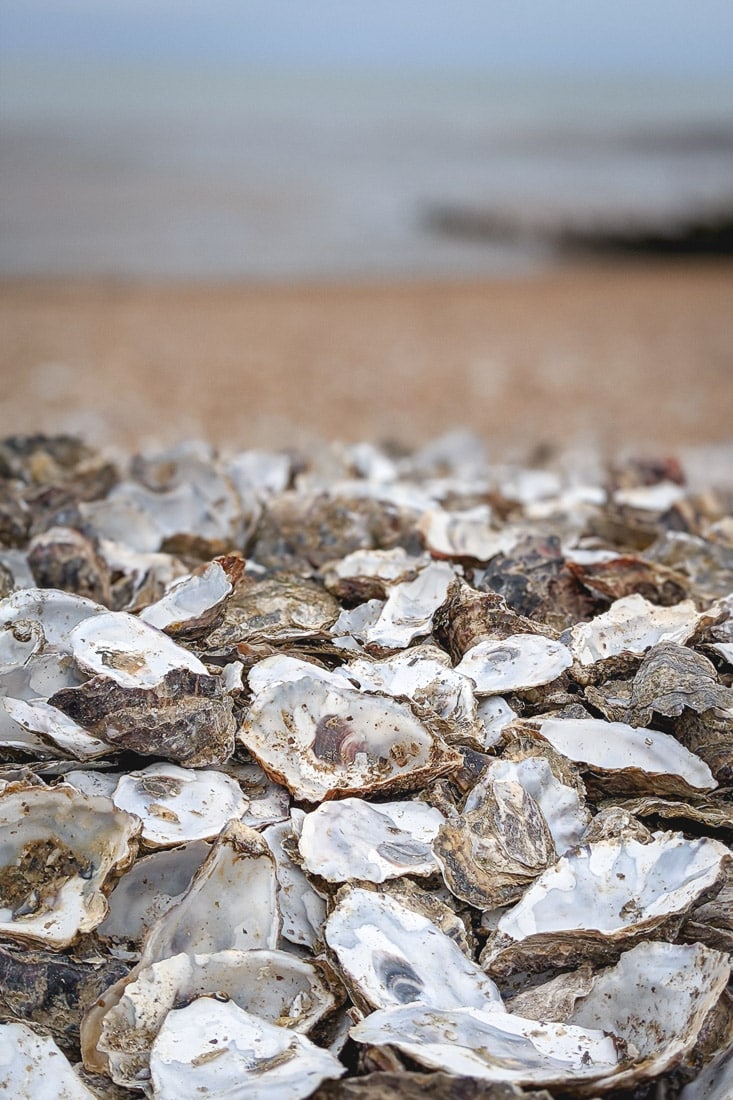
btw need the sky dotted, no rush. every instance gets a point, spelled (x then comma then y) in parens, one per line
(685, 37)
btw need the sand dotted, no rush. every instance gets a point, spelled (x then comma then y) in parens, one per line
(624, 356)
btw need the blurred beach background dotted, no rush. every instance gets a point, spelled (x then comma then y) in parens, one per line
(262, 222)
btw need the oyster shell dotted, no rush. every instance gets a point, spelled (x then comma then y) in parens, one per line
(639, 760)
(518, 662)
(57, 850)
(192, 604)
(303, 910)
(322, 742)
(219, 1050)
(277, 609)
(369, 574)
(353, 839)
(604, 896)
(408, 612)
(632, 625)
(656, 998)
(491, 1045)
(33, 1068)
(151, 886)
(421, 673)
(125, 649)
(389, 955)
(186, 717)
(465, 533)
(177, 805)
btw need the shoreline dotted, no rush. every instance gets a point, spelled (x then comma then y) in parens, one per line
(616, 355)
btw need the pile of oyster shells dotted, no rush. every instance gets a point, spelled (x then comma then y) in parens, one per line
(362, 774)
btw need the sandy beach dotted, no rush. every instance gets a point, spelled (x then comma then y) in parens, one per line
(623, 355)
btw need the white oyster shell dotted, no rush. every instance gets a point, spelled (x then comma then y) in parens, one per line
(519, 661)
(390, 955)
(385, 566)
(353, 839)
(272, 985)
(321, 742)
(282, 669)
(46, 616)
(408, 612)
(616, 747)
(609, 892)
(353, 624)
(215, 1049)
(494, 715)
(128, 651)
(66, 735)
(33, 1068)
(57, 848)
(656, 998)
(179, 804)
(151, 886)
(303, 910)
(240, 868)
(632, 625)
(192, 601)
(465, 534)
(491, 1045)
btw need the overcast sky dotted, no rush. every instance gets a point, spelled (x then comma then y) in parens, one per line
(685, 37)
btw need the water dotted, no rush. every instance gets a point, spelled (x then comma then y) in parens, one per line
(225, 173)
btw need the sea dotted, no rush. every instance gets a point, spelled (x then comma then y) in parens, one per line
(222, 173)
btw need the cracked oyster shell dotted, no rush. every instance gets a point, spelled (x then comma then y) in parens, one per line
(602, 897)
(490, 853)
(272, 985)
(353, 839)
(389, 954)
(553, 784)
(178, 804)
(491, 1045)
(632, 625)
(321, 742)
(517, 818)
(123, 648)
(628, 759)
(218, 1049)
(519, 661)
(33, 1068)
(57, 849)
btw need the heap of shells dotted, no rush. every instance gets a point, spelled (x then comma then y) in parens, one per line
(363, 773)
